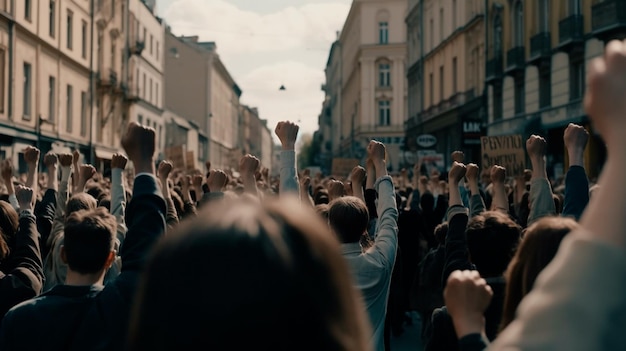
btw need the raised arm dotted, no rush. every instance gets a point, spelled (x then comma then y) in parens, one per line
(576, 182)
(163, 173)
(62, 195)
(44, 211)
(216, 181)
(118, 194)
(386, 240)
(31, 156)
(248, 166)
(477, 204)
(305, 197)
(541, 201)
(7, 177)
(287, 132)
(85, 172)
(500, 198)
(25, 280)
(357, 179)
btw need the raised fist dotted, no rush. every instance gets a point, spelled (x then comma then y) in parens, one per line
(185, 182)
(25, 197)
(305, 182)
(7, 170)
(376, 151)
(467, 296)
(217, 180)
(75, 156)
(118, 161)
(31, 155)
(457, 172)
(536, 146)
(358, 175)
(197, 181)
(458, 156)
(287, 132)
(472, 173)
(336, 189)
(575, 137)
(139, 142)
(165, 167)
(207, 164)
(86, 172)
(65, 160)
(249, 164)
(498, 174)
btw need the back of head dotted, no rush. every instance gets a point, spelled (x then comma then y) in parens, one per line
(536, 250)
(492, 238)
(97, 191)
(427, 202)
(8, 228)
(348, 217)
(276, 278)
(441, 231)
(89, 239)
(81, 201)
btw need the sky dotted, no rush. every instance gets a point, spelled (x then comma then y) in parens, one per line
(265, 44)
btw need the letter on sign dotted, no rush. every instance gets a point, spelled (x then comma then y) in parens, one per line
(426, 140)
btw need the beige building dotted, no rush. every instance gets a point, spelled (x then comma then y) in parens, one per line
(145, 69)
(365, 83)
(44, 76)
(255, 135)
(200, 89)
(446, 77)
(537, 54)
(182, 132)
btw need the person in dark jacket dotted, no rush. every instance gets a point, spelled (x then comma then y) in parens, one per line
(82, 314)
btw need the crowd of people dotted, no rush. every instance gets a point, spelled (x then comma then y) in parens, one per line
(162, 259)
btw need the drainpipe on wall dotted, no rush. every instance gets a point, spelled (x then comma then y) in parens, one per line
(11, 60)
(485, 104)
(92, 152)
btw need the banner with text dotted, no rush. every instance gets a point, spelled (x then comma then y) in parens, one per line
(343, 166)
(176, 155)
(507, 151)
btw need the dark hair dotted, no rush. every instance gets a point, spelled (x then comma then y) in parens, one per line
(96, 191)
(492, 238)
(9, 223)
(277, 277)
(349, 218)
(441, 231)
(81, 201)
(536, 250)
(427, 202)
(89, 239)
(105, 202)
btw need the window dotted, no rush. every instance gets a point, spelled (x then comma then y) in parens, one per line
(519, 95)
(145, 34)
(52, 19)
(148, 123)
(573, 7)
(27, 9)
(83, 113)
(432, 34)
(544, 16)
(52, 96)
(497, 36)
(144, 89)
(432, 90)
(70, 20)
(28, 83)
(384, 75)
(441, 84)
(84, 39)
(157, 94)
(157, 50)
(454, 14)
(577, 79)
(151, 44)
(545, 87)
(384, 112)
(113, 55)
(69, 106)
(441, 28)
(454, 76)
(113, 9)
(140, 119)
(383, 33)
(150, 99)
(2, 76)
(518, 22)
(497, 101)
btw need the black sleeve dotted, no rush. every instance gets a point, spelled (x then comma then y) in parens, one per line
(472, 342)
(457, 257)
(370, 202)
(44, 211)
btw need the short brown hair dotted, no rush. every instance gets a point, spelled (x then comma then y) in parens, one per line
(348, 216)
(89, 239)
(81, 201)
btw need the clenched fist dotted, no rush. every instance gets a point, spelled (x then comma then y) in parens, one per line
(140, 143)
(472, 173)
(498, 174)
(249, 165)
(358, 175)
(458, 156)
(118, 161)
(467, 296)
(217, 180)
(25, 197)
(536, 147)
(457, 172)
(336, 189)
(287, 132)
(165, 167)
(575, 137)
(65, 160)
(86, 172)
(7, 170)
(31, 155)
(376, 151)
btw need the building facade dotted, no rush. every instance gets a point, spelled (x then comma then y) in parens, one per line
(537, 54)
(446, 77)
(255, 136)
(366, 83)
(201, 90)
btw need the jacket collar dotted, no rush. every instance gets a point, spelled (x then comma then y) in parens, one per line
(74, 291)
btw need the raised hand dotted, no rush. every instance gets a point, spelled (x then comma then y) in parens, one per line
(536, 147)
(86, 172)
(498, 174)
(65, 160)
(575, 138)
(287, 132)
(376, 151)
(472, 173)
(336, 189)
(457, 172)
(31, 155)
(458, 156)
(25, 197)
(139, 142)
(197, 181)
(164, 170)
(75, 157)
(467, 296)
(357, 176)
(118, 161)
(249, 165)
(217, 180)
(207, 164)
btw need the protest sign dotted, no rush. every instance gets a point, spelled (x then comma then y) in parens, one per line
(343, 166)
(190, 160)
(176, 155)
(507, 151)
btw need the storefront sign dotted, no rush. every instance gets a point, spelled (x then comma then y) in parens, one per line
(472, 132)
(506, 151)
(426, 140)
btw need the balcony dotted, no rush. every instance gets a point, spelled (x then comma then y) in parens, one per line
(137, 47)
(494, 69)
(515, 60)
(608, 19)
(570, 31)
(106, 80)
(540, 47)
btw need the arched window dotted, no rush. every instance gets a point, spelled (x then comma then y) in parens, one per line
(518, 24)
(497, 36)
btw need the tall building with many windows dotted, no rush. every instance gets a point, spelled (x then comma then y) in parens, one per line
(536, 59)
(366, 82)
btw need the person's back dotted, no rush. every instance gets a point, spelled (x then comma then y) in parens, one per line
(373, 268)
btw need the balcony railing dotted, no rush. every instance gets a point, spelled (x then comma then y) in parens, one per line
(608, 16)
(494, 69)
(571, 30)
(540, 46)
(515, 59)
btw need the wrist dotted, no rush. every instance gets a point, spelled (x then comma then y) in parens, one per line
(144, 167)
(289, 146)
(469, 325)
